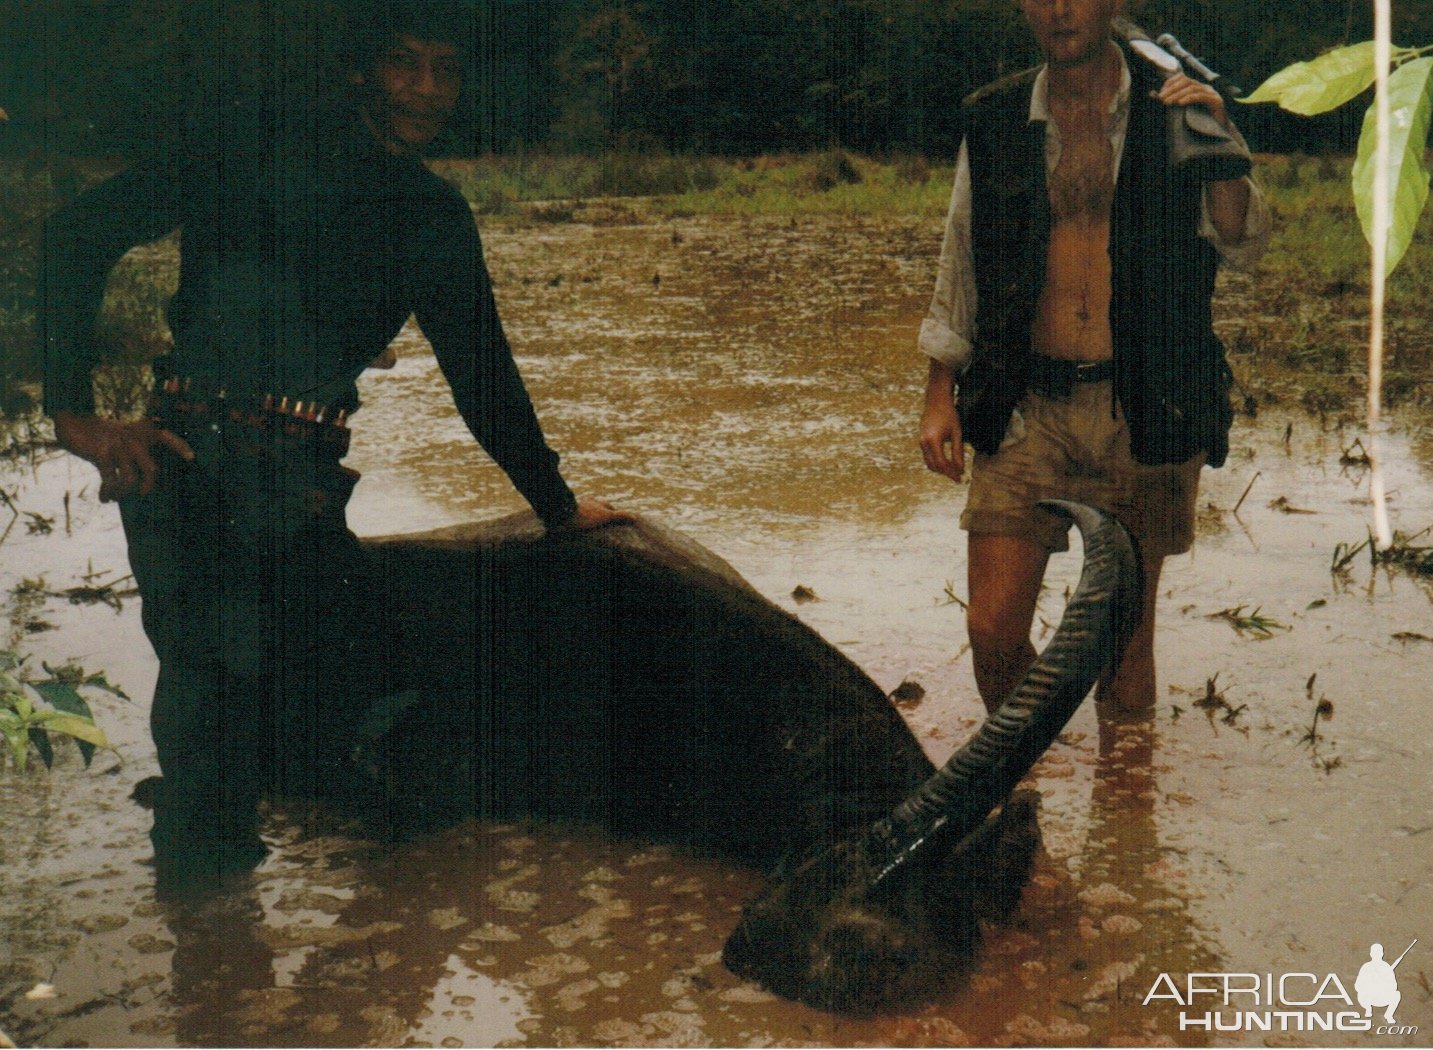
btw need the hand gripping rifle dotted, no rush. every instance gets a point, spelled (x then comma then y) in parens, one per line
(1198, 143)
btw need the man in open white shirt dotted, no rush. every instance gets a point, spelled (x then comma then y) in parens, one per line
(1071, 323)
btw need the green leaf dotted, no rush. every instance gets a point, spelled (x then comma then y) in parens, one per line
(19, 741)
(22, 705)
(1321, 84)
(41, 740)
(99, 681)
(63, 696)
(82, 729)
(1409, 105)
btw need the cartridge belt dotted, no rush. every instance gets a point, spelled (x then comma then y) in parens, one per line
(285, 451)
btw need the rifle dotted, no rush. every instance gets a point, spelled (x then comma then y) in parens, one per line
(1198, 143)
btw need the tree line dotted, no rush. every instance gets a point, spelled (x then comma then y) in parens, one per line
(709, 76)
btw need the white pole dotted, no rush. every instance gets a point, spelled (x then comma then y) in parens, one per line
(1382, 53)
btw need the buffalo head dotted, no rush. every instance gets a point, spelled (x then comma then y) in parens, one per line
(891, 914)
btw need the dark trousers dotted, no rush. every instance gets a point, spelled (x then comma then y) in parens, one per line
(262, 618)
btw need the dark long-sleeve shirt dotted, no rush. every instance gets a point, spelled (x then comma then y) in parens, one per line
(304, 249)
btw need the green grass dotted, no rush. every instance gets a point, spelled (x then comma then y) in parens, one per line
(1307, 325)
(536, 186)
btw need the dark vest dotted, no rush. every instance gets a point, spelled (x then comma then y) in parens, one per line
(1170, 375)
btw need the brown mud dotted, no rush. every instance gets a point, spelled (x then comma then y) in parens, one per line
(755, 383)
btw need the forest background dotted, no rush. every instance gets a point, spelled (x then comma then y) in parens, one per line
(701, 107)
(731, 77)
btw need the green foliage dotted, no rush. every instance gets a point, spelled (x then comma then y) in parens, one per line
(64, 712)
(1337, 77)
(1321, 84)
(1409, 104)
(1297, 326)
(834, 181)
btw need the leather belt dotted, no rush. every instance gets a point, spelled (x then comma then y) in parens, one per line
(1055, 378)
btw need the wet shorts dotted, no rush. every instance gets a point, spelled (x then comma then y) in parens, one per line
(1075, 448)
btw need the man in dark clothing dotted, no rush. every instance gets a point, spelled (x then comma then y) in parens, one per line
(1072, 304)
(310, 235)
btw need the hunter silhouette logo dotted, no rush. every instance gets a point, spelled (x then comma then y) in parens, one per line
(1377, 984)
(1287, 1002)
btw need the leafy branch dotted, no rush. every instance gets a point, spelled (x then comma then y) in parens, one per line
(62, 710)
(1338, 76)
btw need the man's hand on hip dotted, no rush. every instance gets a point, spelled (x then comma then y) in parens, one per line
(123, 453)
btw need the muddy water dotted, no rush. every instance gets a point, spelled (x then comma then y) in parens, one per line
(754, 384)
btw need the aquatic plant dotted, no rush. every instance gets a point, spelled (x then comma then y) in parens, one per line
(61, 710)
(1255, 623)
(1400, 553)
(1390, 174)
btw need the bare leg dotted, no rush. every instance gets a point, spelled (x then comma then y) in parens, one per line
(1004, 577)
(1130, 690)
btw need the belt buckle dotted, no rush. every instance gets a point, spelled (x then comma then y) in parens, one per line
(1084, 368)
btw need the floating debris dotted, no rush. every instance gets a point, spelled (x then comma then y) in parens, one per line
(1400, 554)
(951, 598)
(1283, 504)
(1343, 554)
(803, 594)
(1254, 622)
(1403, 555)
(1257, 475)
(1351, 458)
(6, 499)
(1213, 701)
(1411, 636)
(907, 694)
(1323, 711)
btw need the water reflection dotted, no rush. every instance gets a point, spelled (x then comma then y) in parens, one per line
(491, 934)
(772, 420)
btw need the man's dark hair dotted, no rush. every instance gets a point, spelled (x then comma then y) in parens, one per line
(379, 23)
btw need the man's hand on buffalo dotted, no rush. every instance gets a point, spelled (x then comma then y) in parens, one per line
(594, 513)
(123, 453)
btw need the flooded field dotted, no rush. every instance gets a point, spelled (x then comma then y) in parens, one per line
(755, 383)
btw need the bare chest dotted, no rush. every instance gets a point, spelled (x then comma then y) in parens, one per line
(1081, 186)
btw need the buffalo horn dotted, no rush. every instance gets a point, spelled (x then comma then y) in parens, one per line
(1098, 621)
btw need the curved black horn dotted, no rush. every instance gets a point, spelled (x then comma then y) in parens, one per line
(1098, 621)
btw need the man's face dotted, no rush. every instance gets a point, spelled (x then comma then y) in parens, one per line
(412, 91)
(1071, 32)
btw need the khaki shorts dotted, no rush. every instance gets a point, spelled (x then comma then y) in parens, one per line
(1077, 449)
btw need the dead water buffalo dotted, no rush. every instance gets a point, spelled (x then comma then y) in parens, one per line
(631, 679)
